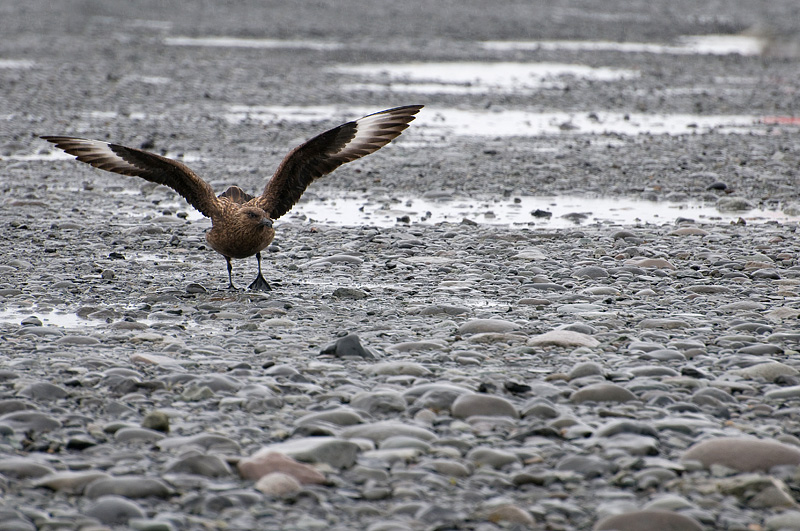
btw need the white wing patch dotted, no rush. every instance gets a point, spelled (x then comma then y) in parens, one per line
(375, 131)
(95, 152)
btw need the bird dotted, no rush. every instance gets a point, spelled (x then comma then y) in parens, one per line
(242, 224)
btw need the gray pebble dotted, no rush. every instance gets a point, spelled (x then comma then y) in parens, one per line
(348, 346)
(200, 464)
(338, 453)
(744, 454)
(114, 510)
(481, 326)
(648, 520)
(602, 392)
(379, 402)
(128, 487)
(468, 405)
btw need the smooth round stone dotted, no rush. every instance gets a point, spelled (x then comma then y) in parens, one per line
(587, 368)
(203, 441)
(667, 324)
(447, 309)
(77, 340)
(785, 521)
(201, 465)
(414, 346)
(783, 393)
(394, 368)
(263, 463)
(156, 420)
(590, 272)
(129, 487)
(114, 510)
(761, 349)
(587, 466)
(563, 338)
(712, 392)
(482, 326)
(492, 457)
(278, 484)
(402, 441)
(651, 263)
(378, 431)
(338, 453)
(468, 405)
(449, 467)
(602, 392)
(70, 482)
(740, 306)
(439, 399)
(626, 426)
(769, 371)
(648, 520)
(670, 502)
(663, 354)
(129, 435)
(44, 391)
(339, 417)
(743, 454)
(539, 408)
(379, 402)
(29, 420)
(348, 346)
(512, 514)
(419, 390)
(23, 468)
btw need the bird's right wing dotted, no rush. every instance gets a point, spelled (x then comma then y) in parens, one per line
(148, 166)
(329, 150)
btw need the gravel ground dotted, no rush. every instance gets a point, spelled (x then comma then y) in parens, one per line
(414, 376)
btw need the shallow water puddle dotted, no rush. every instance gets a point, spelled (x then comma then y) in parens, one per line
(476, 77)
(747, 45)
(565, 211)
(238, 42)
(440, 121)
(18, 64)
(63, 320)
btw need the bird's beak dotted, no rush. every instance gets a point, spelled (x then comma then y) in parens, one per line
(266, 222)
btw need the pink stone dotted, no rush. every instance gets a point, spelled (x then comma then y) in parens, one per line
(260, 465)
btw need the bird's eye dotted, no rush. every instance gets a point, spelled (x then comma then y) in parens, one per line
(252, 215)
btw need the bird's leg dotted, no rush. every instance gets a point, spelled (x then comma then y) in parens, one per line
(230, 274)
(259, 283)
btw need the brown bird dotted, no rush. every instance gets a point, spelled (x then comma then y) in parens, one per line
(241, 225)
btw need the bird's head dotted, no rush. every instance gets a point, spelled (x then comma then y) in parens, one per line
(255, 217)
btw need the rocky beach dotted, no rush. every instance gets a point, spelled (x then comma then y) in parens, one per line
(566, 298)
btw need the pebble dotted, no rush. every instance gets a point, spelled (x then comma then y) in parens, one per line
(563, 338)
(648, 520)
(602, 392)
(379, 403)
(269, 462)
(199, 464)
(482, 326)
(743, 454)
(70, 482)
(348, 346)
(467, 405)
(492, 457)
(379, 431)
(114, 510)
(278, 484)
(338, 453)
(128, 487)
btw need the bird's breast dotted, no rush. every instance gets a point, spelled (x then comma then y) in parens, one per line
(237, 241)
